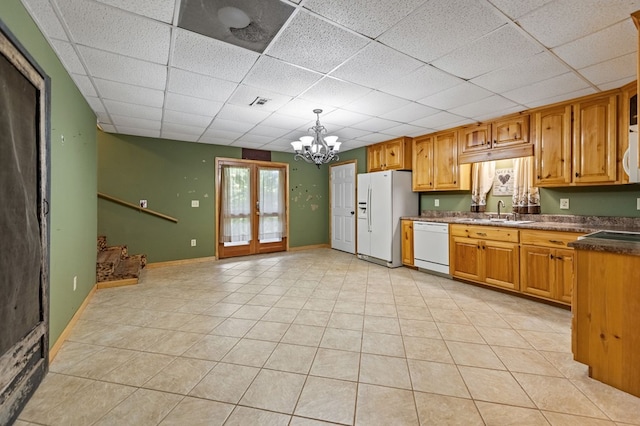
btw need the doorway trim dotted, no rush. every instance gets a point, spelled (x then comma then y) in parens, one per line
(355, 194)
(217, 179)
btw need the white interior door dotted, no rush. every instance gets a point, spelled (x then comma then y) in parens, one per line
(343, 207)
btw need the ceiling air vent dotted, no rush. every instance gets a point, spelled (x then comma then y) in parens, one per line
(259, 101)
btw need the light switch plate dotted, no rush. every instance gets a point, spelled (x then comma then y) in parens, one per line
(143, 204)
(564, 204)
(436, 202)
(195, 203)
(193, 243)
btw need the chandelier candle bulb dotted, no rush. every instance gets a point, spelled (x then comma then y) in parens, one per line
(317, 149)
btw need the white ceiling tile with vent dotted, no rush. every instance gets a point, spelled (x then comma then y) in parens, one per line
(179, 69)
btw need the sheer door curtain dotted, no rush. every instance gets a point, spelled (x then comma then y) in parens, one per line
(271, 226)
(235, 208)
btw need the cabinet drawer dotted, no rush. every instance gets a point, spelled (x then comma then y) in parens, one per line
(548, 238)
(485, 232)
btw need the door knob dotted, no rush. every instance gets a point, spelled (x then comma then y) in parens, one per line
(353, 212)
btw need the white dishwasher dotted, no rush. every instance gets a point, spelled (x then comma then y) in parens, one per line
(431, 246)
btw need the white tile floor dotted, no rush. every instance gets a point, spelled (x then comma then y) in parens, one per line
(318, 337)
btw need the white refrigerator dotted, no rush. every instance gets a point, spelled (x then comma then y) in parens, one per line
(383, 197)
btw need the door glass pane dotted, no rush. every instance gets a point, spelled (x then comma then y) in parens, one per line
(235, 223)
(271, 225)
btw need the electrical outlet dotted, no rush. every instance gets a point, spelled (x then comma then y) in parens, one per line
(564, 204)
(75, 283)
(436, 202)
(193, 242)
(638, 203)
(143, 204)
(195, 203)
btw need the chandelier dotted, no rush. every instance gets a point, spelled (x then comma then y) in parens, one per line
(317, 149)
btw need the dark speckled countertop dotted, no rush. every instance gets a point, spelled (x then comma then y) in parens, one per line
(565, 223)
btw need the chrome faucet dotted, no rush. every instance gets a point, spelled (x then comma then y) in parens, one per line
(500, 203)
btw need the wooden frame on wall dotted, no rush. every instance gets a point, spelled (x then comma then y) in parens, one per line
(25, 93)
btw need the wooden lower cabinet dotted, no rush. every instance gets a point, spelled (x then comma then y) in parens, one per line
(407, 242)
(485, 255)
(547, 264)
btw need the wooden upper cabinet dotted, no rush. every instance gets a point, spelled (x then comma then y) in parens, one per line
(553, 146)
(507, 137)
(422, 166)
(594, 140)
(510, 131)
(475, 138)
(390, 155)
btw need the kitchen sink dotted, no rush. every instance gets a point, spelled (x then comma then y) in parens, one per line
(492, 220)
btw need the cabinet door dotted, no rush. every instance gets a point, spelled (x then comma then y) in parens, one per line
(594, 140)
(510, 131)
(475, 138)
(407, 242)
(374, 158)
(537, 271)
(445, 161)
(465, 258)
(501, 264)
(393, 155)
(563, 260)
(553, 146)
(422, 163)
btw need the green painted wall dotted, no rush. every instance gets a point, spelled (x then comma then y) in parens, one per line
(73, 176)
(614, 200)
(169, 174)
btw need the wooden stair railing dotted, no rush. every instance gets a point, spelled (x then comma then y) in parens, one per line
(137, 207)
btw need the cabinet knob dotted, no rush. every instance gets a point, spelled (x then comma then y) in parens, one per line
(577, 174)
(551, 256)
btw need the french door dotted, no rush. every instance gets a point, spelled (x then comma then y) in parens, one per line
(252, 213)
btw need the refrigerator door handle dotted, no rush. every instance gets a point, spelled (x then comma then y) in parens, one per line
(369, 211)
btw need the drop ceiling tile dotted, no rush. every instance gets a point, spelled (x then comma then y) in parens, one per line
(108, 128)
(110, 66)
(441, 26)
(247, 95)
(160, 10)
(516, 9)
(252, 115)
(332, 91)
(194, 52)
(200, 86)
(456, 96)
(353, 145)
(192, 105)
(616, 69)
(376, 65)
(426, 80)
(375, 124)
(497, 114)
(179, 136)
(231, 125)
(616, 84)
(182, 129)
(222, 134)
(549, 26)
(46, 19)
(491, 105)
(133, 110)
(410, 112)
(553, 87)
(96, 25)
(244, 144)
(138, 123)
(376, 103)
(68, 57)
(488, 53)
(255, 139)
(186, 119)
(215, 141)
(530, 70)
(612, 42)
(139, 132)
(280, 146)
(96, 104)
(314, 43)
(103, 118)
(284, 121)
(448, 126)
(438, 120)
(351, 133)
(84, 84)
(561, 98)
(280, 77)
(375, 138)
(272, 132)
(344, 118)
(304, 109)
(130, 94)
(364, 16)
(409, 130)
